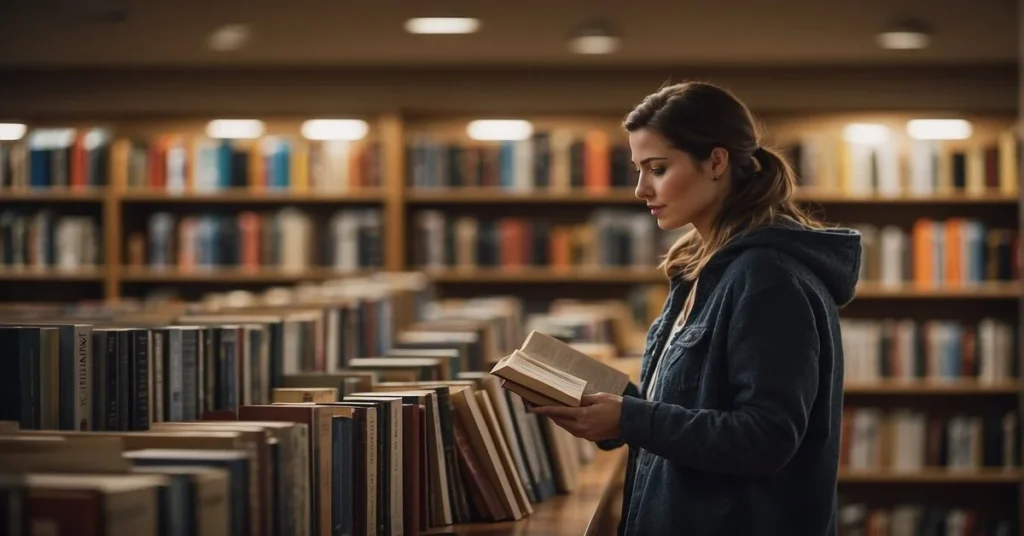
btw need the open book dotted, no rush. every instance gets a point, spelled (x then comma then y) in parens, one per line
(546, 371)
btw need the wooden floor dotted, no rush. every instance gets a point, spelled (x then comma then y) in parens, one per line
(591, 510)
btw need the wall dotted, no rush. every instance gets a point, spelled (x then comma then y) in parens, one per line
(28, 95)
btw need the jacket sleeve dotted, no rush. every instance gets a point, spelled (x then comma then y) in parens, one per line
(611, 444)
(773, 353)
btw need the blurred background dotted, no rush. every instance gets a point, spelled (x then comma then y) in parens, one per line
(180, 151)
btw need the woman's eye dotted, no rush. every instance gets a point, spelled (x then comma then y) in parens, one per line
(657, 171)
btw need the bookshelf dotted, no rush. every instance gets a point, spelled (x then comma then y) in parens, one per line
(402, 195)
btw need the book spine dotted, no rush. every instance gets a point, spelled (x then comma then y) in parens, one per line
(189, 348)
(158, 358)
(140, 380)
(123, 387)
(67, 378)
(83, 377)
(175, 404)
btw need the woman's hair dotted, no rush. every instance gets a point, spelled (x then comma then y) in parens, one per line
(695, 118)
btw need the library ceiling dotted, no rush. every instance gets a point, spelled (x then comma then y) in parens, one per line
(41, 33)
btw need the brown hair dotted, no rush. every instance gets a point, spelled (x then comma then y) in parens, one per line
(695, 118)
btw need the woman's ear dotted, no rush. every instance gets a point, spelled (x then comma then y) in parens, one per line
(719, 160)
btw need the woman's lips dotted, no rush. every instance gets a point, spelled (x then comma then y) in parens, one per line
(655, 209)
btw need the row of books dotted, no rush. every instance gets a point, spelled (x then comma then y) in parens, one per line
(417, 434)
(913, 519)
(58, 158)
(826, 162)
(950, 253)
(909, 441)
(87, 158)
(609, 238)
(180, 163)
(906, 349)
(556, 160)
(287, 238)
(44, 240)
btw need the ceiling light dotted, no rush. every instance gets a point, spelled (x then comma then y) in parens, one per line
(334, 129)
(229, 37)
(442, 25)
(235, 129)
(12, 131)
(52, 138)
(499, 129)
(594, 38)
(939, 129)
(907, 35)
(866, 133)
(594, 44)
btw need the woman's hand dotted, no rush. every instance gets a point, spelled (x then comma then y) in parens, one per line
(597, 418)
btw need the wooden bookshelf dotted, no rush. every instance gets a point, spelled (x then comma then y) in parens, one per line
(619, 196)
(398, 200)
(228, 275)
(934, 476)
(914, 388)
(51, 274)
(252, 196)
(510, 196)
(52, 195)
(588, 510)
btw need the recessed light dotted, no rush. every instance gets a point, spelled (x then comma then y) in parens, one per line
(499, 129)
(595, 37)
(442, 25)
(334, 129)
(235, 129)
(229, 37)
(594, 44)
(939, 129)
(866, 133)
(12, 131)
(906, 35)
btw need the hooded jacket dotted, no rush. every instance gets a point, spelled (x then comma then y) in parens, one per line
(741, 434)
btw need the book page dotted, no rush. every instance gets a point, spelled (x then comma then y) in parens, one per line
(554, 353)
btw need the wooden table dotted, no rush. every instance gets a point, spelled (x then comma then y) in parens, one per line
(591, 510)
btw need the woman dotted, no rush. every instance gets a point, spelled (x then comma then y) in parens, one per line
(734, 428)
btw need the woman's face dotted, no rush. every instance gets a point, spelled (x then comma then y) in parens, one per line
(677, 188)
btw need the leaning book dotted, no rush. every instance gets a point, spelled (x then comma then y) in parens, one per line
(546, 371)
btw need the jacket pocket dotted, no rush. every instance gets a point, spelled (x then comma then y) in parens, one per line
(686, 360)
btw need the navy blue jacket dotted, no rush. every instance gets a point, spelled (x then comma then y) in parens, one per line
(741, 436)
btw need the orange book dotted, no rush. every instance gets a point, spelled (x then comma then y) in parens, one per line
(249, 226)
(561, 247)
(187, 243)
(921, 240)
(597, 176)
(954, 248)
(257, 167)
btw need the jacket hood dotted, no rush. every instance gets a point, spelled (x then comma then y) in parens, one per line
(832, 254)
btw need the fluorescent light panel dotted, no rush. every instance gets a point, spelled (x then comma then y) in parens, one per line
(442, 25)
(594, 44)
(499, 129)
(903, 40)
(866, 133)
(334, 129)
(939, 129)
(12, 131)
(235, 129)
